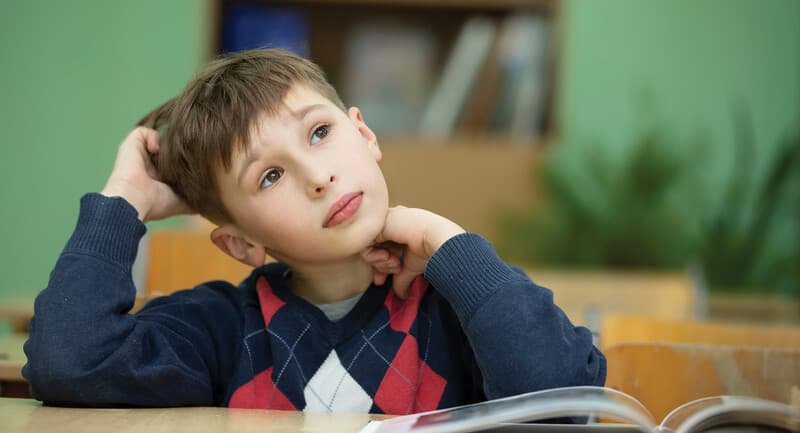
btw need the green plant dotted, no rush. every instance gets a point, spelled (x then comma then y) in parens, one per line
(654, 209)
(757, 246)
(602, 213)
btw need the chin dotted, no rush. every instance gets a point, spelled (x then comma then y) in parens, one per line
(366, 238)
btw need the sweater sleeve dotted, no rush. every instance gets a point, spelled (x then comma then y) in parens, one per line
(521, 340)
(85, 349)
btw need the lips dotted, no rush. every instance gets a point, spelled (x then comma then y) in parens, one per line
(343, 209)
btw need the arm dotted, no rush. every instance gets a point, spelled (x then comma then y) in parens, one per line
(84, 349)
(521, 340)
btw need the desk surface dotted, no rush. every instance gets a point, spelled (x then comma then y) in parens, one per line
(24, 415)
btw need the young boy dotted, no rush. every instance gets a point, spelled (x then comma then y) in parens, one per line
(260, 144)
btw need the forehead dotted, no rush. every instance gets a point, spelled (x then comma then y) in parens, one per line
(271, 126)
(300, 95)
(298, 102)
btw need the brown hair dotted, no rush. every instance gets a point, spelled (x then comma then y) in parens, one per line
(212, 117)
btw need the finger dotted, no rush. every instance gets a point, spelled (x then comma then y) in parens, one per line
(141, 135)
(170, 200)
(147, 140)
(184, 209)
(379, 278)
(152, 142)
(389, 265)
(401, 283)
(395, 249)
(376, 255)
(392, 247)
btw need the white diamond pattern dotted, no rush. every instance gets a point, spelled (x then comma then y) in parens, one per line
(332, 389)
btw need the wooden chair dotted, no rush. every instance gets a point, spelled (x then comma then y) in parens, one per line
(663, 376)
(618, 328)
(181, 259)
(589, 296)
(17, 313)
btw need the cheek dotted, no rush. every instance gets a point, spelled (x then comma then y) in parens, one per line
(282, 232)
(271, 223)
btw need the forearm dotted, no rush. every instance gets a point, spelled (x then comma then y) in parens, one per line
(521, 340)
(83, 347)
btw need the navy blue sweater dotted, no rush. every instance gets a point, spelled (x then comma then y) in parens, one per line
(473, 328)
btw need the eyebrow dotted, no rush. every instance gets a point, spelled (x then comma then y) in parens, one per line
(299, 115)
(303, 112)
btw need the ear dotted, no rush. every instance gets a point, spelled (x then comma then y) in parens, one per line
(372, 140)
(228, 239)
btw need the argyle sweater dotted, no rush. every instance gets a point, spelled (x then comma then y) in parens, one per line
(472, 328)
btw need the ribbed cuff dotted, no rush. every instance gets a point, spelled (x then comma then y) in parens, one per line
(465, 270)
(109, 227)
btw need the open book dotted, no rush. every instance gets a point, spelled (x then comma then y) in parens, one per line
(611, 406)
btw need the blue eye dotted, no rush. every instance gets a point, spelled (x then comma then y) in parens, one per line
(319, 134)
(270, 177)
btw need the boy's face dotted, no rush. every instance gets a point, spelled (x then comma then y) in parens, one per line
(309, 188)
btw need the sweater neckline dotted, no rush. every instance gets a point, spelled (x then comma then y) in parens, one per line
(371, 300)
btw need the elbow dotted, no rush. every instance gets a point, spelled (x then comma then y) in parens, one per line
(600, 378)
(586, 367)
(52, 381)
(54, 376)
(594, 369)
(52, 386)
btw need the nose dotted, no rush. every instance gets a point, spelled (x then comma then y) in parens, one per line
(318, 185)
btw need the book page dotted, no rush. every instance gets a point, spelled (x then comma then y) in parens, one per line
(702, 414)
(541, 405)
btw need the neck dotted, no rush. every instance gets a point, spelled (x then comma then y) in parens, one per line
(331, 282)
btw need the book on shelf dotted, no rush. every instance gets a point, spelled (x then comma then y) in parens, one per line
(521, 104)
(459, 76)
(387, 73)
(619, 412)
(481, 101)
(495, 79)
(509, 96)
(248, 26)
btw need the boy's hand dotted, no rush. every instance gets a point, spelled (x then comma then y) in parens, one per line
(134, 178)
(413, 234)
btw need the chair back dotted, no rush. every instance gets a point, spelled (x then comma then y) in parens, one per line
(620, 328)
(587, 297)
(664, 376)
(182, 259)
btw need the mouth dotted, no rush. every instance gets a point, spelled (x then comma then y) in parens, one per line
(343, 209)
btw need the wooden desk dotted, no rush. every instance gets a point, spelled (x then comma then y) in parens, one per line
(12, 358)
(24, 415)
(17, 312)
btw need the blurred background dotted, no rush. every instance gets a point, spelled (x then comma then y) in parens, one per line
(613, 146)
(640, 158)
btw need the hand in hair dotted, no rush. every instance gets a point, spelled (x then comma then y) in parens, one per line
(134, 178)
(413, 234)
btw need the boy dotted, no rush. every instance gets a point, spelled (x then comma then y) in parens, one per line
(260, 144)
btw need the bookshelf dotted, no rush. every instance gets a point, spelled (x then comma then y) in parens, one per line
(460, 92)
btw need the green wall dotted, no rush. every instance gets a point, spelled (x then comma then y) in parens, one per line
(75, 78)
(683, 64)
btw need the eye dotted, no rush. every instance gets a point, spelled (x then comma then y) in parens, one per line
(319, 134)
(270, 177)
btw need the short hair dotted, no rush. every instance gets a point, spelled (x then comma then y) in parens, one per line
(202, 127)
